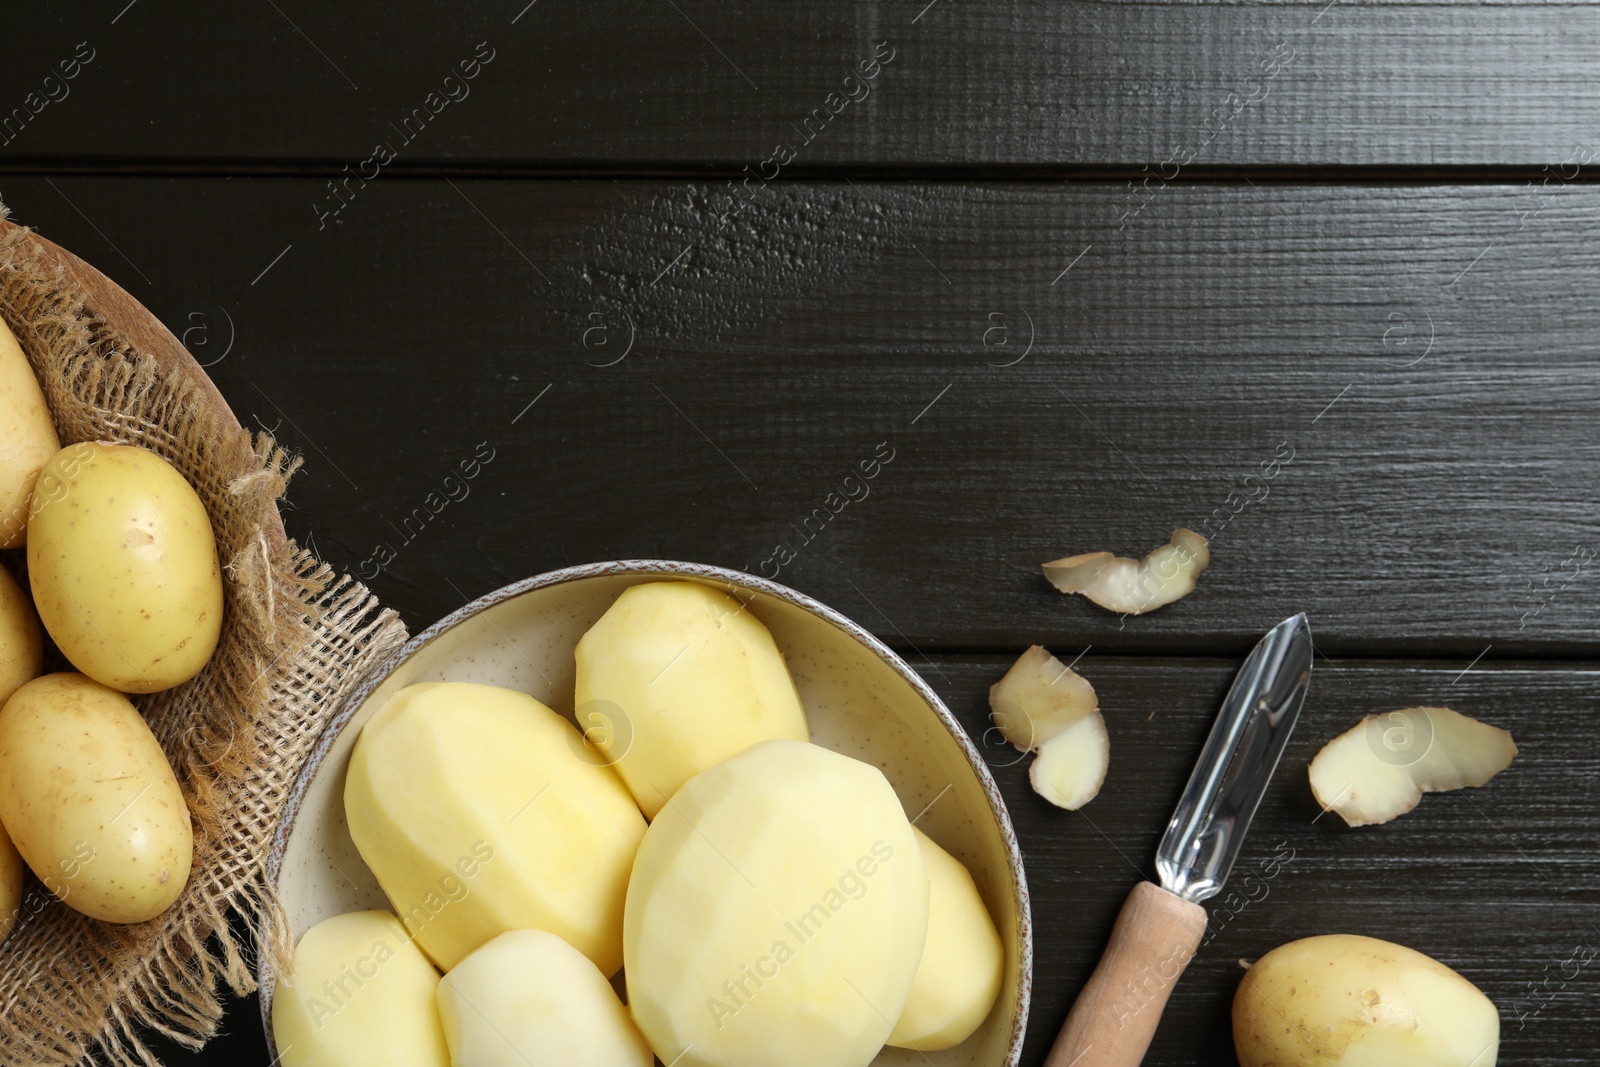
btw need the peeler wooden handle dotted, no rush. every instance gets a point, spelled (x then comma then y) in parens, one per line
(1115, 1016)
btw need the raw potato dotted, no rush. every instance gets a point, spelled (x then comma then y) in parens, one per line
(777, 913)
(1379, 768)
(1071, 767)
(21, 646)
(90, 800)
(1352, 1001)
(1133, 587)
(123, 567)
(1044, 705)
(358, 992)
(480, 810)
(11, 866)
(676, 677)
(528, 997)
(962, 961)
(27, 438)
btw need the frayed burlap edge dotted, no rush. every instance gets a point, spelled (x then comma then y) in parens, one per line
(296, 638)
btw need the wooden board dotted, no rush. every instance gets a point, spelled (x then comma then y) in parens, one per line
(1424, 357)
(717, 85)
(1498, 883)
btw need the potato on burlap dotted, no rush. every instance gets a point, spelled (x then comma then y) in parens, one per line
(27, 438)
(90, 800)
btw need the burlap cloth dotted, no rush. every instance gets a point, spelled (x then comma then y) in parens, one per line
(296, 637)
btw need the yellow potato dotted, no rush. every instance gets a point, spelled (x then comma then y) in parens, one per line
(27, 438)
(480, 810)
(528, 997)
(10, 884)
(776, 914)
(1351, 1001)
(90, 800)
(676, 677)
(962, 961)
(358, 992)
(21, 646)
(123, 566)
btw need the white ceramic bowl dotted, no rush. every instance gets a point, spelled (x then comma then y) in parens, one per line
(861, 698)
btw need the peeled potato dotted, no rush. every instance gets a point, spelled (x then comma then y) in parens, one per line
(123, 566)
(480, 811)
(1360, 1002)
(27, 438)
(528, 997)
(358, 992)
(21, 646)
(676, 677)
(776, 915)
(90, 801)
(962, 960)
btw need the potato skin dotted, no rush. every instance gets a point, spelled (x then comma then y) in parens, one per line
(11, 866)
(124, 567)
(27, 438)
(1347, 999)
(21, 645)
(90, 801)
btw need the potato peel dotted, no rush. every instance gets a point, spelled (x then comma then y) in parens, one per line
(1133, 587)
(1071, 767)
(1378, 769)
(1043, 706)
(1038, 698)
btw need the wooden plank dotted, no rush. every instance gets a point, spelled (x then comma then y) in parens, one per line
(1498, 883)
(1436, 485)
(715, 84)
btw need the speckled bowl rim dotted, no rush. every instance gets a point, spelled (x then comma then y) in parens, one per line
(675, 569)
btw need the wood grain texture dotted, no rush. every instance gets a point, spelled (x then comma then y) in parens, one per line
(1117, 1012)
(1414, 366)
(1502, 883)
(718, 84)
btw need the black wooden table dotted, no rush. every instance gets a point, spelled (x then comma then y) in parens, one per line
(1084, 266)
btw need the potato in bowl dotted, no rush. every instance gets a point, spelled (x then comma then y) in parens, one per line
(862, 701)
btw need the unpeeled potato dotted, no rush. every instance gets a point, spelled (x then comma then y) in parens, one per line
(123, 566)
(21, 646)
(90, 800)
(11, 866)
(27, 438)
(1341, 1000)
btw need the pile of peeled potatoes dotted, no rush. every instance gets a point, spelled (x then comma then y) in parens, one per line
(122, 570)
(777, 908)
